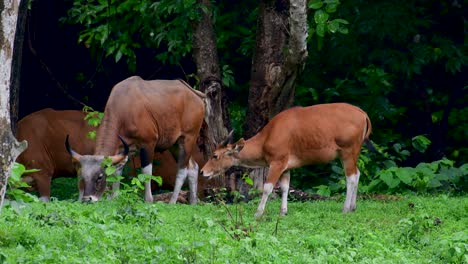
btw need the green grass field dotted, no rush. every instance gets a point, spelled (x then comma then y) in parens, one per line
(126, 230)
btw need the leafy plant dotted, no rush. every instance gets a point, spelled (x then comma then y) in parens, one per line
(94, 119)
(321, 20)
(16, 186)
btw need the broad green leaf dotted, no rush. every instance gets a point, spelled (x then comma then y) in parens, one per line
(420, 143)
(158, 180)
(315, 4)
(118, 56)
(331, 8)
(321, 30)
(342, 21)
(110, 170)
(321, 17)
(405, 175)
(343, 30)
(389, 179)
(333, 26)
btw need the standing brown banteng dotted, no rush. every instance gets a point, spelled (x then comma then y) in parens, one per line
(45, 131)
(150, 115)
(297, 137)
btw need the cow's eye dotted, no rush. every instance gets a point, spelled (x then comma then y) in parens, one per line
(215, 156)
(100, 176)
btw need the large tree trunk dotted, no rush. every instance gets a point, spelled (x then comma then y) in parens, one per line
(16, 66)
(205, 54)
(9, 147)
(280, 54)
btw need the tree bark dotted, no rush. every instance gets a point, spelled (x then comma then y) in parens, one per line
(205, 54)
(9, 147)
(279, 58)
(16, 66)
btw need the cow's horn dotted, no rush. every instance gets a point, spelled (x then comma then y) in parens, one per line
(70, 150)
(228, 139)
(119, 157)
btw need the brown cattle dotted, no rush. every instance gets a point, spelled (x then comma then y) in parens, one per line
(297, 137)
(150, 115)
(45, 130)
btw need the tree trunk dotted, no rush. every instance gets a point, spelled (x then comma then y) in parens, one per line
(205, 54)
(280, 54)
(16, 66)
(9, 147)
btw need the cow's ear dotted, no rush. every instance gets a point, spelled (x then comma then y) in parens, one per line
(239, 145)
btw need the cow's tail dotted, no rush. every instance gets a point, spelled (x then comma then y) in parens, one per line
(367, 132)
(198, 93)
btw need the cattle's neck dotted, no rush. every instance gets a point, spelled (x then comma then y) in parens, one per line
(107, 141)
(252, 155)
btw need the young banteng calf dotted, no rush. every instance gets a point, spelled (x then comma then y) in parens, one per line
(297, 137)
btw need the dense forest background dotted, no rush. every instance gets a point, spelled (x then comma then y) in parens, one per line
(403, 62)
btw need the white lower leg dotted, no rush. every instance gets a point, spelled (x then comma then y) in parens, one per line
(180, 179)
(284, 185)
(148, 169)
(351, 192)
(44, 199)
(192, 174)
(80, 196)
(267, 189)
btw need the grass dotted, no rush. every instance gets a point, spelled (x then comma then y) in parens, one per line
(126, 230)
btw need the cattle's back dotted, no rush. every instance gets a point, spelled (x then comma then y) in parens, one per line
(45, 131)
(143, 109)
(319, 127)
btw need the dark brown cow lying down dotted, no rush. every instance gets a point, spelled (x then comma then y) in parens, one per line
(45, 131)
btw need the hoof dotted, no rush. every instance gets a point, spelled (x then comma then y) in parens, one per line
(258, 215)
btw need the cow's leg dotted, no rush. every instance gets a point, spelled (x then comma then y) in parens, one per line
(43, 182)
(185, 150)
(352, 181)
(146, 156)
(192, 174)
(275, 171)
(284, 185)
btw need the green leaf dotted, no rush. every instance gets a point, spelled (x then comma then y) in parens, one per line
(158, 180)
(333, 26)
(110, 170)
(118, 56)
(389, 179)
(405, 175)
(342, 21)
(321, 30)
(323, 190)
(331, 8)
(315, 4)
(420, 143)
(343, 30)
(321, 17)
(247, 179)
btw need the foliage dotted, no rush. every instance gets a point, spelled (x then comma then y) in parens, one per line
(94, 119)
(16, 187)
(321, 23)
(136, 183)
(120, 28)
(409, 230)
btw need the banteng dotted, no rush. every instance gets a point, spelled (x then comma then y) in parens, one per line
(297, 137)
(150, 115)
(45, 130)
